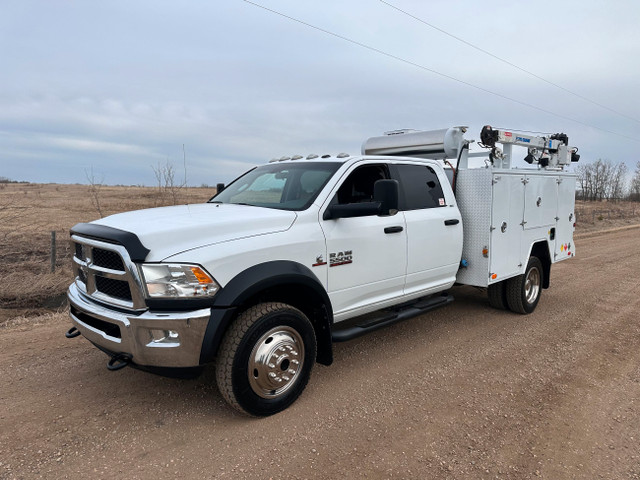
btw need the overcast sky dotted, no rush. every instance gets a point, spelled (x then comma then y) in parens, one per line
(119, 86)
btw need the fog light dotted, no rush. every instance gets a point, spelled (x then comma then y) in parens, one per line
(164, 337)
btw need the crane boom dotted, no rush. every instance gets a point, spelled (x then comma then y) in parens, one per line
(552, 151)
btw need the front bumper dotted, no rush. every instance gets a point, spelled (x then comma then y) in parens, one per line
(130, 333)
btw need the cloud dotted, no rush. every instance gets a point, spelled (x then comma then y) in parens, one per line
(121, 86)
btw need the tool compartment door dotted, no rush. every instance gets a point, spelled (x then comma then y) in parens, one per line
(506, 225)
(564, 247)
(540, 203)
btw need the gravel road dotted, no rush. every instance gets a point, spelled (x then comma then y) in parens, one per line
(462, 392)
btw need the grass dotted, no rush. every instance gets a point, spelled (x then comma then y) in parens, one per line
(595, 216)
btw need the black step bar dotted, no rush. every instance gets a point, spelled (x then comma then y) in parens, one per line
(389, 317)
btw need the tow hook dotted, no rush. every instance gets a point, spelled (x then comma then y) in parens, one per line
(118, 361)
(73, 332)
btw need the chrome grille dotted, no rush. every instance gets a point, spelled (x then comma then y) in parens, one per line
(107, 259)
(114, 288)
(105, 272)
(82, 276)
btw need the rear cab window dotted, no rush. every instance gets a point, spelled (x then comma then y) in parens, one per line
(419, 187)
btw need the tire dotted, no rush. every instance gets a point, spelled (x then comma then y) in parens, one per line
(246, 378)
(523, 291)
(497, 293)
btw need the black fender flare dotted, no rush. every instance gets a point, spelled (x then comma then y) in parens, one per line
(249, 284)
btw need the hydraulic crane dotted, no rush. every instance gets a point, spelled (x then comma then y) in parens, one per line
(548, 152)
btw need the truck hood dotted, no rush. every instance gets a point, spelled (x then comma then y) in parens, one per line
(168, 231)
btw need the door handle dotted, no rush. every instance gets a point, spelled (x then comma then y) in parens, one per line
(397, 229)
(453, 221)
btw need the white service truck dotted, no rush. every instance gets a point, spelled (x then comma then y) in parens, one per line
(302, 252)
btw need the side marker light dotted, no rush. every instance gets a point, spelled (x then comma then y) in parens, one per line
(201, 276)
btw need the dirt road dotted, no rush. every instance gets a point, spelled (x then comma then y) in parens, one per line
(463, 392)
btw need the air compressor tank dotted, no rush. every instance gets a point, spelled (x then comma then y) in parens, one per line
(434, 144)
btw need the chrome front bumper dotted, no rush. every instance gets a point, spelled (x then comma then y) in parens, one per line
(133, 333)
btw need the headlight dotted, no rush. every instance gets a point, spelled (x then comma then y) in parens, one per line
(172, 280)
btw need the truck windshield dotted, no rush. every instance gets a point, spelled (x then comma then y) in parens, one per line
(285, 186)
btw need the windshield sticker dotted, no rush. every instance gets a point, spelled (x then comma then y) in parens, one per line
(441, 202)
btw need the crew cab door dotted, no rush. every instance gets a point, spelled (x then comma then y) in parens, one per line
(434, 228)
(367, 255)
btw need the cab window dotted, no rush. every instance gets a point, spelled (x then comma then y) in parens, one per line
(358, 187)
(419, 187)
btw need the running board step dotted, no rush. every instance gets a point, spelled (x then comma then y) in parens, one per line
(384, 318)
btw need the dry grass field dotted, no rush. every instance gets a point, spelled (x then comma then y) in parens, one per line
(596, 216)
(30, 212)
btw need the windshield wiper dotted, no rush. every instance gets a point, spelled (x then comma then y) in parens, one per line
(227, 203)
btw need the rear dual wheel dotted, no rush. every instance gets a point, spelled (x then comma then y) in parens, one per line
(519, 294)
(498, 295)
(523, 291)
(265, 359)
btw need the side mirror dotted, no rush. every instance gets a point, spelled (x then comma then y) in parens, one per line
(386, 192)
(219, 187)
(350, 210)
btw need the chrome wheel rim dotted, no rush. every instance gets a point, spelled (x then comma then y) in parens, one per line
(276, 362)
(532, 285)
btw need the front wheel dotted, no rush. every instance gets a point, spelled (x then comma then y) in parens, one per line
(523, 291)
(265, 359)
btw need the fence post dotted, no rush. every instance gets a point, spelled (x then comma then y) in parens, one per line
(53, 251)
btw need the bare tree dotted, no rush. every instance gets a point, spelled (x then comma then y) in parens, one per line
(602, 180)
(168, 188)
(157, 172)
(634, 189)
(592, 178)
(170, 184)
(618, 182)
(94, 190)
(583, 171)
